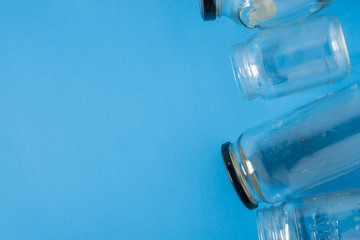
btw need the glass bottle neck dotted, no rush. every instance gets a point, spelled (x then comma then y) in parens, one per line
(219, 7)
(228, 8)
(244, 173)
(277, 223)
(247, 12)
(245, 70)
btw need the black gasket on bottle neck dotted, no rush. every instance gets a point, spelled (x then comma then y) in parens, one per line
(225, 149)
(208, 9)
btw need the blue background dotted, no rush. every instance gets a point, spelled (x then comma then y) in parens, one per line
(113, 114)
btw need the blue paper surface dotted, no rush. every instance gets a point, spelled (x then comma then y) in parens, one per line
(112, 114)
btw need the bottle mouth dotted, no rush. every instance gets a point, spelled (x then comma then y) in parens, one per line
(208, 9)
(230, 169)
(270, 224)
(245, 73)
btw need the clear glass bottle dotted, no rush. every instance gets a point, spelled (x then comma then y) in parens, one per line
(279, 62)
(307, 147)
(331, 216)
(262, 13)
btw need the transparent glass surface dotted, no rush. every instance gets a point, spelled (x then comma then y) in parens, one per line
(296, 152)
(269, 13)
(331, 216)
(280, 62)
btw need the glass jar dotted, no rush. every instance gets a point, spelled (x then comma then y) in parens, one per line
(280, 62)
(331, 216)
(307, 147)
(262, 13)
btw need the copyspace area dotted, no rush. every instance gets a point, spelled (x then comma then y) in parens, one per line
(112, 115)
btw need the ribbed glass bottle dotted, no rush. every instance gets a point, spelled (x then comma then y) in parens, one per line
(283, 61)
(331, 216)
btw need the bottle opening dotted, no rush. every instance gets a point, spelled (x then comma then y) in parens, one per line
(230, 168)
(271, 224)
(245, 73)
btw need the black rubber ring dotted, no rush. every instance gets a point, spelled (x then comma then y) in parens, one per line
(208, 9)
(225, 149)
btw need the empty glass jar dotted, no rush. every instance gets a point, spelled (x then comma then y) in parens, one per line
(331, 216)
(262, 13)
(279, 62)
(305, 148)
